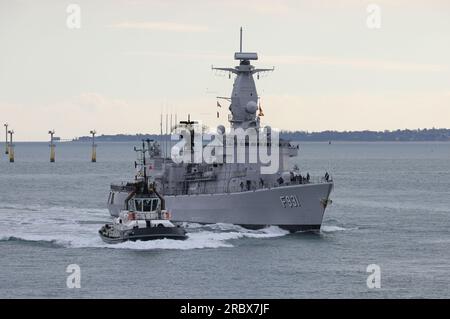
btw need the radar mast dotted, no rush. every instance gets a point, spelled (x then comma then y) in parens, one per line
(244, 97)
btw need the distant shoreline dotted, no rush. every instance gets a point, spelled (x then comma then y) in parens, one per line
(419, 135)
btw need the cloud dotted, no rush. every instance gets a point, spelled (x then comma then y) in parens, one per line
(260, 6)
(77, 115)
(264, 7)
(91, 101)
(356, 63)
(402, 4)
(110, 115)
(359, 111)
(210, 56)
(161, 26)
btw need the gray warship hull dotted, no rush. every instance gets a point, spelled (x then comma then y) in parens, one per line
(250, 209)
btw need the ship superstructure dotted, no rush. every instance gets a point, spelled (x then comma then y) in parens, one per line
(235, 184)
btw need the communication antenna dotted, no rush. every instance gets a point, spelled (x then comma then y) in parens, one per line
(240, 41)
(161, 137)
(167, 124)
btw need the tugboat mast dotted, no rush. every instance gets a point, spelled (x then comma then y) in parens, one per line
(145, 167)
(142, 166)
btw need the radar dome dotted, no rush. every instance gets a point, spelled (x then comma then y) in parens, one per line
(220, 129)
(251, 107)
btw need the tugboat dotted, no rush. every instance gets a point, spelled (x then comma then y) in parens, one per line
(144, 217)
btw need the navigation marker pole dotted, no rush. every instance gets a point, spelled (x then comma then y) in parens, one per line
(11, 146)
(52, 146)
(6, 135)
(94, 147)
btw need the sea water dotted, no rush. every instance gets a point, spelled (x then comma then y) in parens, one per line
(391, 208)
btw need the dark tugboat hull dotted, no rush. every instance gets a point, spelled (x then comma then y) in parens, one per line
(145, 234)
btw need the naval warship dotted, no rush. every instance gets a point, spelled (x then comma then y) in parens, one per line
(226, 191)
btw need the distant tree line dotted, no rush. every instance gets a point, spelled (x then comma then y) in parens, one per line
(433, 134)
(371, 136)
(119, 138)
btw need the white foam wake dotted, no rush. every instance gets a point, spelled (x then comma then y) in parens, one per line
(78, 228)
(332, 229)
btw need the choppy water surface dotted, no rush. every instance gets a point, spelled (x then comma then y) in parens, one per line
(391, 207)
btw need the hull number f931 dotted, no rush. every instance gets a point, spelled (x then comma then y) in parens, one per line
(289, 201)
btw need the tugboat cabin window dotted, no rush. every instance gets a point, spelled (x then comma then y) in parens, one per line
(131, 205)
(147, 205)
(144, 205)
(138, 204)
(155, 204)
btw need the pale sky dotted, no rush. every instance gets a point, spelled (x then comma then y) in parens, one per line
(130, 60)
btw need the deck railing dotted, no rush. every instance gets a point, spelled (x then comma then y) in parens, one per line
(224, 188)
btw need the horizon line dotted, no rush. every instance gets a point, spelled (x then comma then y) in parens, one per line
(281, 132)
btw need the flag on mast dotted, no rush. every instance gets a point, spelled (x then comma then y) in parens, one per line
(218, 105)
(261, 113)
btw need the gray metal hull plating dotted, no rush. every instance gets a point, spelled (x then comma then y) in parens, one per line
(252, 209)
